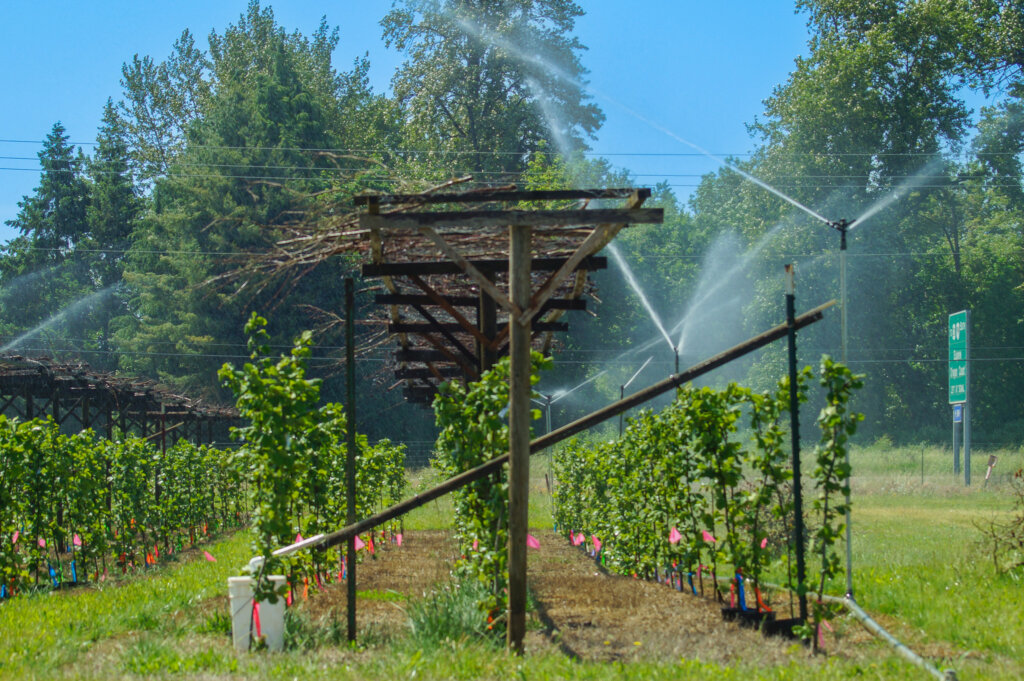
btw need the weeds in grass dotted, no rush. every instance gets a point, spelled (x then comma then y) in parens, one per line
(450, 614)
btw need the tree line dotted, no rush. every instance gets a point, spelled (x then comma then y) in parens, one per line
(216, 152)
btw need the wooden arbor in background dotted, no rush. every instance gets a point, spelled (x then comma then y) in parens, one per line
(545, 248)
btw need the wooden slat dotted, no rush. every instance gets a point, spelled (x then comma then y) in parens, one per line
(481, 279)
(418, 355)
(483, 197)
(591, 244)
(440, 327)
(470, 301)
(502, 218)
(426, 374)
(467, 326)
(401, 269)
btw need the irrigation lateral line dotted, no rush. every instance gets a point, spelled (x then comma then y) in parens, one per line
(876, 629)
(555, 436)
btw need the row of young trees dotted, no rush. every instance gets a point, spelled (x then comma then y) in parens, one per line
(688, 492)
(74, 507)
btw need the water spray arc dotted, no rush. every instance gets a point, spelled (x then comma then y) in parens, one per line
(622, 388)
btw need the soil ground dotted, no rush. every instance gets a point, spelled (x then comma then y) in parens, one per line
(582, 610)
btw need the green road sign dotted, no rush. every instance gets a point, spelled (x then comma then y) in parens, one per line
(958, 357)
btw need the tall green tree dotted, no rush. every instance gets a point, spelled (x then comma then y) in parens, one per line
(486, 81)
(41, 272)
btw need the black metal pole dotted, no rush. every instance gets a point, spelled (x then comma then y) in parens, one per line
(350, 458)
(794, 416)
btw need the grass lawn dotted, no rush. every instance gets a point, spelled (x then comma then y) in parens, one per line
(920, 568)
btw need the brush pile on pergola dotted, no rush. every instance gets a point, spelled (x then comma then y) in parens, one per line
(521, 268)
(75, 396)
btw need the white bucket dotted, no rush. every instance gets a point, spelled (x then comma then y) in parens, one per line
(271, 614)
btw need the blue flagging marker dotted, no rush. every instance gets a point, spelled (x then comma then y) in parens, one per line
(3, 591)
(689, 580)
(74, 574)
(740, 593)
(53, 575)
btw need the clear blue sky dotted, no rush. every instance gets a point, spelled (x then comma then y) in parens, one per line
(700, 69)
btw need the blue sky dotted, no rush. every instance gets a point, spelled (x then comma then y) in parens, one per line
(699, 69)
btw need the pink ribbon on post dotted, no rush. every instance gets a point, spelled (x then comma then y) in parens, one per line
(708, 537)
(578, 539)
(764, 542)
(298, 537)
(532, 542)
(359, 543)
(674, 536)
(597, 542)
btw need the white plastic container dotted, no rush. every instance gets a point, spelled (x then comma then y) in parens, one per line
(271, 614)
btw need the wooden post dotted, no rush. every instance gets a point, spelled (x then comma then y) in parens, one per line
(487, 322)
(350, 457)
(794, 430)
(519, 434)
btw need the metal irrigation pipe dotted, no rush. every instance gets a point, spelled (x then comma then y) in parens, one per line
(563, 433)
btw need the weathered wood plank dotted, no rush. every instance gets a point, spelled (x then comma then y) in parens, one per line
(401, 269)
(502, 218)
(484, 197)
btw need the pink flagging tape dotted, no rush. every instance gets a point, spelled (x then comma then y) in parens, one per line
(674, 536)
(532, 542)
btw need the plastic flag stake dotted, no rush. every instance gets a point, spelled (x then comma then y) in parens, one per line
(732, 593)
(740, 590)
(760, 601)
(359, 544)
(708, 537)
(256, 618)
(209, 557)
(674, 536)
(370, 545)
(532, 542)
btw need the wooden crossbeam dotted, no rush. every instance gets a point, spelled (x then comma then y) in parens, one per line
(467, 326)
(484, 197)
(597, 239)
(428, 373)
(418, 355)
(429, 327)
(500, 218)
(400, 269)
(470, 301)
(481, 279)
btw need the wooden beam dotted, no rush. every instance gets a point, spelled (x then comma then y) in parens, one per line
(480, 219)
(438, 299)
(420, 355)
(485, 197)
(591, 244)
(470, 301)
(482, 280)
(400, 269)
(469, 368)
(442, 327)
(427, 373)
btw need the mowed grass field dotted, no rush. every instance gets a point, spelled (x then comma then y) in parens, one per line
(921, 568)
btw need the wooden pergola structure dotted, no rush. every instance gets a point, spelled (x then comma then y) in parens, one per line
(77, 397)
(522, 268)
